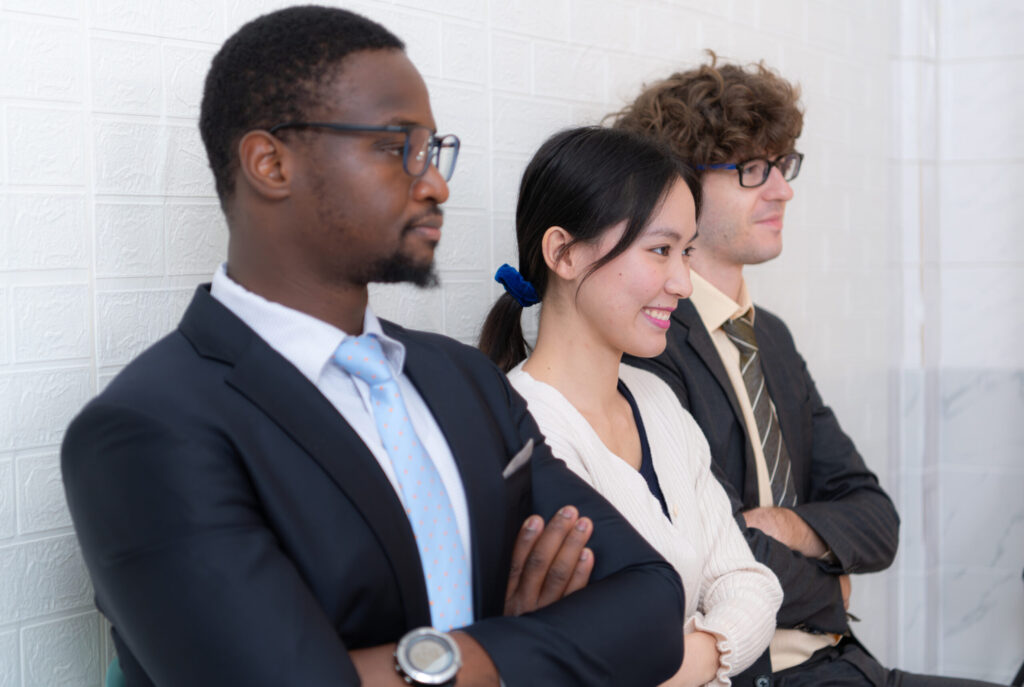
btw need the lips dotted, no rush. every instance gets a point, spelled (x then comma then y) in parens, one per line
(427, 226)
(659, 317)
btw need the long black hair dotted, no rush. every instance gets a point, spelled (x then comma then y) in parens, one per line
(584, 180)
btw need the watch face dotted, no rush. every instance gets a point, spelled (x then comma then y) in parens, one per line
(425, 656)
(429, 654)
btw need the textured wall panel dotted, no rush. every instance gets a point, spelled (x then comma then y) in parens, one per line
(41, 504)
(470, 186)
(40, 60)
(539, 20)
(126, 76)
(5, 354)
(128, 322)
(47, 231)
(194, 20)
(7, 512)
(41, 577)
(129, 239)
(569, 72)
(461, 248)
(465, 306)
(197, 239)
(187, 171)
(62, 652)
(35, 407)
(129, 157)
(124, 15)
(184, 72)
(10, 676)
(461, 50)
(511, 63)
(51, 322)
(45, 146)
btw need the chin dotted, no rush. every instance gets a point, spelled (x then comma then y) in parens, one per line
(402, 268)
(648, 349)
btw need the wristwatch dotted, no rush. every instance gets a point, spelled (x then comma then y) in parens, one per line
(426, 657)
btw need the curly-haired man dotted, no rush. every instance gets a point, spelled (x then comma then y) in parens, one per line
(809, 506)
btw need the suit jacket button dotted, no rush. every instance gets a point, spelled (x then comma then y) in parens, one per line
(763, 681)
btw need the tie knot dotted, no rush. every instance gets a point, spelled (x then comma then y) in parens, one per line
(363, 357)
(741, 329)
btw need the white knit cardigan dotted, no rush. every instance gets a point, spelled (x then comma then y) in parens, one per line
(728, 593)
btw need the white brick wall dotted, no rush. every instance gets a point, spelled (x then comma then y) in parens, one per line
(108, 217)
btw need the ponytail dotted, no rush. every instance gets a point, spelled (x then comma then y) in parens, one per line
(501, 338)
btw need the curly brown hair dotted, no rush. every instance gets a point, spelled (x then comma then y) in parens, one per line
(715, 114)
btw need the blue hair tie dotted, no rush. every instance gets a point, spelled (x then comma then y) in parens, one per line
(517, 287)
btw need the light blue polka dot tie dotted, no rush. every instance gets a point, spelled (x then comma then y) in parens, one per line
(426, 501)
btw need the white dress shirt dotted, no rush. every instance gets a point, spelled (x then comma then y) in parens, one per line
(309, 345)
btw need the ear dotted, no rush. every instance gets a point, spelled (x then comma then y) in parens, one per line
(560, 256)
(266, 164)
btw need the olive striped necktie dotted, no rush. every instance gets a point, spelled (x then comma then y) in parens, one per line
(741, 332)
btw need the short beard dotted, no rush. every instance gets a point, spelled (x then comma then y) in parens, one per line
(399, 268)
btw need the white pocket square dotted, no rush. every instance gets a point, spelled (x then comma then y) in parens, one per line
(518, 460)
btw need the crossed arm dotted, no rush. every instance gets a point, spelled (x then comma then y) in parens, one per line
(548, 562)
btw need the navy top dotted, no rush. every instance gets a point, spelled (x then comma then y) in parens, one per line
(646, 465)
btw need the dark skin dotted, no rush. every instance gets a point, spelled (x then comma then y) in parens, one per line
(310, 215)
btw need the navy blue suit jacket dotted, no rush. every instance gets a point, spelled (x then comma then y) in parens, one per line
(839, 497)
(238, 531)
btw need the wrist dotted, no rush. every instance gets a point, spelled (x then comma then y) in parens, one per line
(426, 657)
(701, 658)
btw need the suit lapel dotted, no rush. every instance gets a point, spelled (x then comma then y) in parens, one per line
(700, 341)
(457, 412)
(290, 400)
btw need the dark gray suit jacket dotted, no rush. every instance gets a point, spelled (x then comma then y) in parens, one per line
(239, 532)
(838, 496)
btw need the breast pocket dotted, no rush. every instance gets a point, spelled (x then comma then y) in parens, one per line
(518, 477)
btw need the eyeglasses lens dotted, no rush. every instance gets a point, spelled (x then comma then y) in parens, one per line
(753, 173)
(446, 153)
(423, 148)
(789, 166)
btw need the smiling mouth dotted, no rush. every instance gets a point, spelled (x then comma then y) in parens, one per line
(658, 317)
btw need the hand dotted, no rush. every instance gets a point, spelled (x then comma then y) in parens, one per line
(787, 527)
(844, 588)
(549, 562)
(700, 661)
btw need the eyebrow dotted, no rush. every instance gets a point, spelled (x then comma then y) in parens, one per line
(667, 232)
(398, 121)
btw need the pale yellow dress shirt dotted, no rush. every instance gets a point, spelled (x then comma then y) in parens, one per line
(788, 647)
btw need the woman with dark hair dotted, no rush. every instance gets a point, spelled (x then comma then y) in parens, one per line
(605, 223)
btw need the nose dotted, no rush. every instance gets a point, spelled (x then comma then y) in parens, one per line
(777, 188)
(431, 186)
(679, 283)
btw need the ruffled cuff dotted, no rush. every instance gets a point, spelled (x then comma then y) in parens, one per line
(725, 651)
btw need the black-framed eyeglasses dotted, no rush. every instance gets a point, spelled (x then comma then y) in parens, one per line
(420, 149)
(754, 173)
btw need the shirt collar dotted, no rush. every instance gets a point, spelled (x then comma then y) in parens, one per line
(303, 340)
(714, 307)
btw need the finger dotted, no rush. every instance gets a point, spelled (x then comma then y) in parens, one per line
(525, 541)
(563, 566)
(581, 574)
(544, 552)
